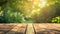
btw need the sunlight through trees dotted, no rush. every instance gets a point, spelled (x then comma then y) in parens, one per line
(29, 10)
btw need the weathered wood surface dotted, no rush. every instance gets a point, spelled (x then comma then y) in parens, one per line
(47, 28)
(19, 29)
(6, 27)
(30, 28)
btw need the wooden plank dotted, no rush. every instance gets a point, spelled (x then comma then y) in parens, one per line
(56, 25)
(47, 28)
(30, 29)
(55, 28)
(22, 29)
(5, 28)
(19, 29)
(40, 28)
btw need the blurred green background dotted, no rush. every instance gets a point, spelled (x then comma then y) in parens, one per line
(29, 11)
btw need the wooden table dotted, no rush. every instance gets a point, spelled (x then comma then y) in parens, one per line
(41, 28)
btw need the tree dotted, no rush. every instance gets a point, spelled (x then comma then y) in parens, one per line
(46, 13)
(10, 11)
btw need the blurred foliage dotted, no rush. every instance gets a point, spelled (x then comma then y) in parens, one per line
(10, 13)
(51, 10)
(19, 11)
(56, 19)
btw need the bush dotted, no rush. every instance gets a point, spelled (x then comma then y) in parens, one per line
(56, 19)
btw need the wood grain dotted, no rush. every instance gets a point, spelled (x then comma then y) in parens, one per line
(41, 28)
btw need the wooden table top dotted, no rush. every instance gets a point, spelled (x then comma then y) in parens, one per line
(40, 28)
